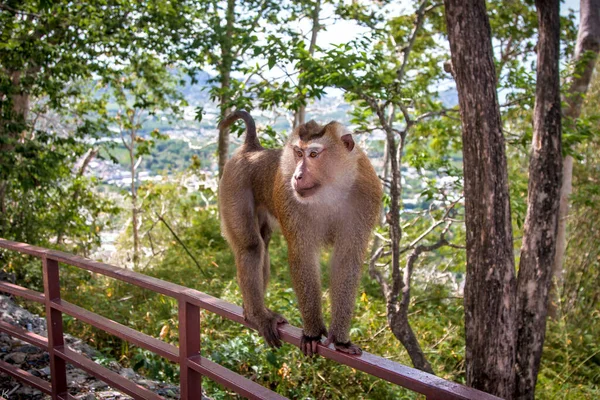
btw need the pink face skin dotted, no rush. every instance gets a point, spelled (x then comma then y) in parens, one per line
(307, 159)
(312, 166)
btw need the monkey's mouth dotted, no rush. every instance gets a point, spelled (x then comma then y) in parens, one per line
(309, 191)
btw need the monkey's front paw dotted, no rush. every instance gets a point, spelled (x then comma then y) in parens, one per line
(278, 317)
(267, 327)
(308, 344)
(345, 347)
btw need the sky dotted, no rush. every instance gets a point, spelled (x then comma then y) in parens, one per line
(344, 31)
(574, 4)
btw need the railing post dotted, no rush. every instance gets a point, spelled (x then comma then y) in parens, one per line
(189, 345)
(54, 325)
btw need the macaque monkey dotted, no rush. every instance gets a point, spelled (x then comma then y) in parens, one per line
(322, 190)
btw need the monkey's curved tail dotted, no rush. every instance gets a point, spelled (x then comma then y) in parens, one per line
(251, 138)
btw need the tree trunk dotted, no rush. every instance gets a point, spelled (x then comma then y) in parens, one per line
(394, 213)
(490, 279)
(134, 205)
(586, 54)
(400, 326)
(397, 304)
(225, 98)
(300, 115)
(19, 99)
(3, 216)
(223, 145)
(541, 223)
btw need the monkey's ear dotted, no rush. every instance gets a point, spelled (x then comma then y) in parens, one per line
(348, 141)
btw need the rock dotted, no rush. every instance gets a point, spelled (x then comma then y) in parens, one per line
(148, 384)
(85, 396)
(79, 346)
(115, 366)
(76, 377)
(38, 360)
(128, 373)
(26, 392)
(5, 339)
(16, 358)
(28, 349)
(172, 393)
(111, 395)
(96, 385)
(45, 371)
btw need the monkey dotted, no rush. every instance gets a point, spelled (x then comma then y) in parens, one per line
(321, 190)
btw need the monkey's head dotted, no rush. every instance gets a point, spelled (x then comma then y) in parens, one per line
(320, 162)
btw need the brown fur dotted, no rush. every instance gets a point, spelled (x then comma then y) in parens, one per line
(259, 184)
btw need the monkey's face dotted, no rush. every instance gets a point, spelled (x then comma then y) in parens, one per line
(323, 163)
(309, 160)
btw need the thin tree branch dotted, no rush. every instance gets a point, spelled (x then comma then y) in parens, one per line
(377, 275)
(408, 269)
(430, 114)
(433, 226)
(86, 161)
(14, 10)
(255, 22)
(181, 243)
(413, 36)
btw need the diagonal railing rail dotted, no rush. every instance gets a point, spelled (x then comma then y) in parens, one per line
(192, 365)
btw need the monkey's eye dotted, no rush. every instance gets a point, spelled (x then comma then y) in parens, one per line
(313, 154)
(299, 153)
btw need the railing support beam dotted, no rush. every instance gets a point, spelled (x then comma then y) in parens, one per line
(189, 346)
(54, 324)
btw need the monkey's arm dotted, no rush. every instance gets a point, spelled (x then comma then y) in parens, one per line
(306, 279)
(348, 254)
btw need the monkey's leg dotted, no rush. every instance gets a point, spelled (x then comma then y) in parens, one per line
(243, 233)
(306, 279)
(345, 276)
(265, 234)
(249, 261)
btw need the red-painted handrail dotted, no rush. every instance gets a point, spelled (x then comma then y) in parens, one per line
(193, 365)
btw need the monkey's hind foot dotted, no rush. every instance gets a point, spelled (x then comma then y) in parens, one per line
(308, 344)
(347, 347)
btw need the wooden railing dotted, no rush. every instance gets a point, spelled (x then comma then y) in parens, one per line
(192, 365)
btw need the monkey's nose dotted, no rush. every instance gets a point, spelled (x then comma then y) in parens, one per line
(298, 176)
